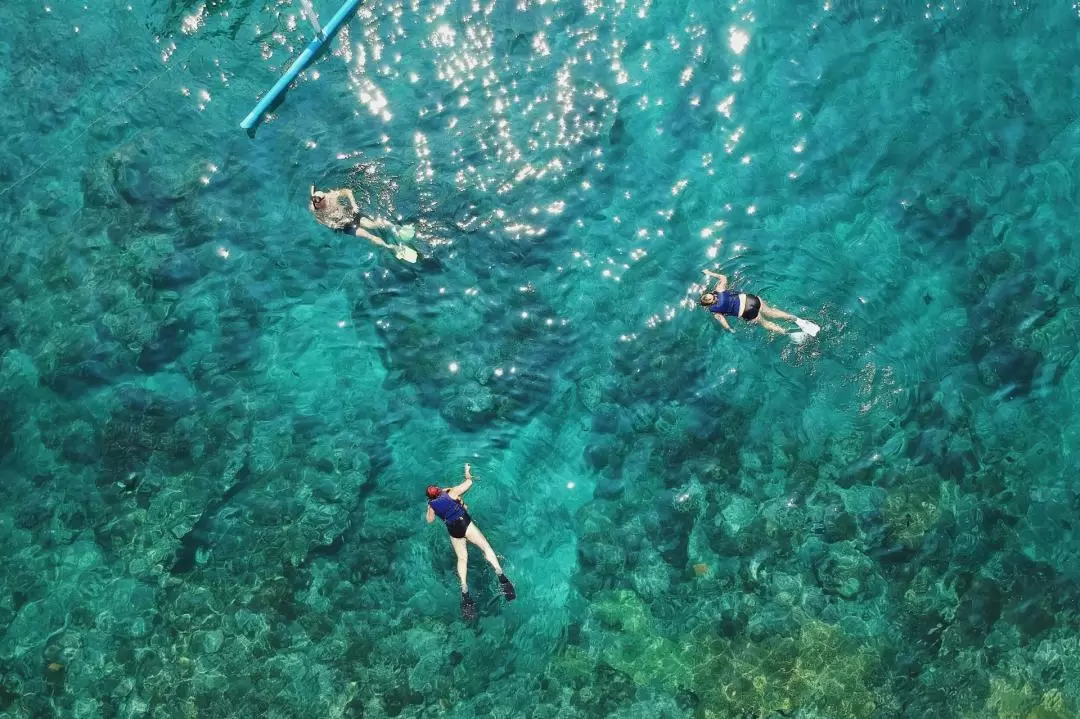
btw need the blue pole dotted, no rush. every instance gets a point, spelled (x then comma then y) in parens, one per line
(301, 62)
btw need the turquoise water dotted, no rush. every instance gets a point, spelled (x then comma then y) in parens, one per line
(218, 418)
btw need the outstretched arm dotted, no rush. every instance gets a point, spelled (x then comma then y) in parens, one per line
(721, 280)
(430, 515)
(462, 488)
(723, 320)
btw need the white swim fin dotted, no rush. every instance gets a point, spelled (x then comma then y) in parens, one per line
(406, 254)
(798, 337)
(807, 326)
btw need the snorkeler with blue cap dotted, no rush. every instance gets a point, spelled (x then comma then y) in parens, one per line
(724, 303)
(330, 210)
(446, 504)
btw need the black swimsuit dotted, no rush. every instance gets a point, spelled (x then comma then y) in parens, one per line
(458, 526)
(727, 303)
(351, 226)
(753, 307)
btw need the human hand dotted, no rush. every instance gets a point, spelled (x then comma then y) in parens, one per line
(468, 471)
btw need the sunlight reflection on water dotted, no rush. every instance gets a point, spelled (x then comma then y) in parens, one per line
(582, 126)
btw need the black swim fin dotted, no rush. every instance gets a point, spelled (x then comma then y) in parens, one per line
(507, 588)
(468, 607)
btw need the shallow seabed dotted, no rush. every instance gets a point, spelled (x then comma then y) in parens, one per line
(217, 419)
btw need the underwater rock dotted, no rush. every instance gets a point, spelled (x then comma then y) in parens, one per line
(175, 272)
(994, 264)
(609, 488)
(84, 361)
(168, 344)
(308, 427)
(98, 191)
(81, 444)
(605, 418)
(605, 549)
(72, 381)
(208, 642)
(956, 465)
(1010, 368)
(8, 421)
(1001, 306)
(980, 607)
(1010, 698)
(950, 219)
(840, 526)
(669, 529)
(142, 423)
(605, 453)
(137, 401)
(1032, 619)
(140, 179)
(911, 510)
(617, 132)
(817, 672)
(652, 576)
(635, 648)
(33, 511)
(847, 572)
(469, 406)
(928, 445)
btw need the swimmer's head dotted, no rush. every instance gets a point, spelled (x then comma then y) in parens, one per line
(317, 199)
(708, 299)
(433, 491)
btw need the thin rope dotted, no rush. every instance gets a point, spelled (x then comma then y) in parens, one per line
(96, 120)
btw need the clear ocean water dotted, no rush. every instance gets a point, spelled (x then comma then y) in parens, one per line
(218, 418)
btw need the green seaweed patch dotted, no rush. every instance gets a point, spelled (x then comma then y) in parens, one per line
(820, 670)
(635, 649)
(1013, 700)
(573, 664)
(911, 511)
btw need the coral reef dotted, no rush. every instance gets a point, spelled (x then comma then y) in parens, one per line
(218, 418)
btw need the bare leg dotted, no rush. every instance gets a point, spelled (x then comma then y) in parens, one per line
(376, 223)
(774, 313)
(771, 326)
(475, 536)
(461, 548)
(374, 239)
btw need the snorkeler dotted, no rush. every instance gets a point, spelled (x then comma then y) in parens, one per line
(329, 210)
(723, 302)
(446, 504)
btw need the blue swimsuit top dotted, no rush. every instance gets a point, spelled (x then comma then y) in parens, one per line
(447, 508)
(727, 303)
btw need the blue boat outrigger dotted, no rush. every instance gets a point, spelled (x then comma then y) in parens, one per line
(322, 36)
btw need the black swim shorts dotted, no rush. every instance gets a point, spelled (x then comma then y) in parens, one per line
(458, 526)
(354, 224)
(753, 307)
